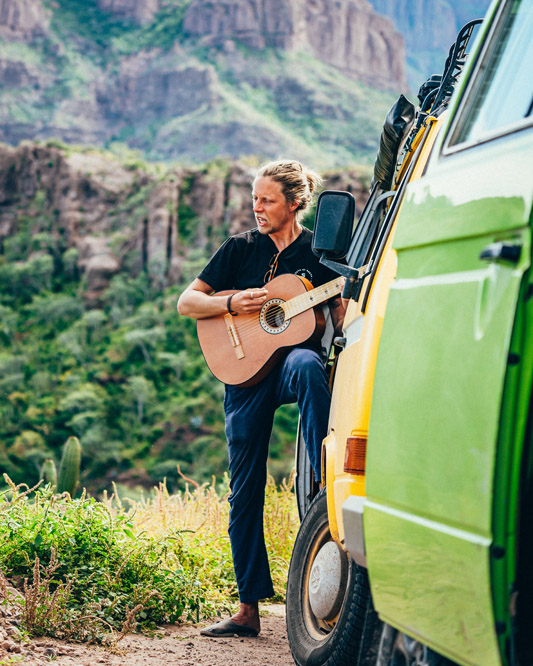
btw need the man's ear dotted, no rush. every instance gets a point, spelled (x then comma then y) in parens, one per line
(294, 205)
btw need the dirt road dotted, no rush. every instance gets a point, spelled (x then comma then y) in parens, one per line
(174, 644)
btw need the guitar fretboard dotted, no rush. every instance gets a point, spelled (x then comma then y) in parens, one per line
(311, 298)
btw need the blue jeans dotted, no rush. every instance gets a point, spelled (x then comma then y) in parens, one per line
(301, 378)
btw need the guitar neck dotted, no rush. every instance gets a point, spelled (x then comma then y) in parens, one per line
(312, 298)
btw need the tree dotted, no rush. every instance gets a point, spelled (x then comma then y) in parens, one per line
(142, 393)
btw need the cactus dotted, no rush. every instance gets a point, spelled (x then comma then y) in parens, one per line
(69, 467)
(49, 472)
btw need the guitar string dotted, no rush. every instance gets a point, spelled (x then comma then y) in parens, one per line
(294, 307)
(292, 310)
(244, 331)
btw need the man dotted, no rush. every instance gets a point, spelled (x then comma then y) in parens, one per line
(282, 191)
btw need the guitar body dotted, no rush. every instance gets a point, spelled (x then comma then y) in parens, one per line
(242, 350)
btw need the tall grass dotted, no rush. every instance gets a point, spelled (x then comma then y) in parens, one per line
(93, 570)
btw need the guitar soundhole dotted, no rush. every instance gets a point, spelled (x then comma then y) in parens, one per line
(272, 317)
(275, 317)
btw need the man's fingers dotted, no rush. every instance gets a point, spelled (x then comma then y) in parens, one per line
(249, 301)
(258, 294)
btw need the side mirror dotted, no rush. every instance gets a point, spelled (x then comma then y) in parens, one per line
(334, 222)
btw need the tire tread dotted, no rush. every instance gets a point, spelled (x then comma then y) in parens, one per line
(354, 634)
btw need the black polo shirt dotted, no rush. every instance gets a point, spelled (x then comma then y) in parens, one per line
(243, 260)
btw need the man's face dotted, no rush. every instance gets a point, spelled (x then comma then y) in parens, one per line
(272, 211)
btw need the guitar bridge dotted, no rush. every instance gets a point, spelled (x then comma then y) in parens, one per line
(234, 336)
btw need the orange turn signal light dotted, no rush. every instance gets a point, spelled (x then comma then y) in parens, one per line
(355, 455)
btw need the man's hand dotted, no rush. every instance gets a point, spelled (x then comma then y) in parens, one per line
(249, 301)
(198, 301)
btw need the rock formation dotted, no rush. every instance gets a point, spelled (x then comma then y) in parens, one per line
(22, 19)
(175, 101)
(430, 24)
(138, 11)
(257, 24)
(347, 34)
(121, 219)
(17, 75)
(148, 88)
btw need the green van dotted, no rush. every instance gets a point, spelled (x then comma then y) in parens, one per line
(442, 533)
(448, 514)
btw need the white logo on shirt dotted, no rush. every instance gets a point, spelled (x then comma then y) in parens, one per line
(304, 273)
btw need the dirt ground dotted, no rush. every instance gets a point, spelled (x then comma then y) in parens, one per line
(173, 644)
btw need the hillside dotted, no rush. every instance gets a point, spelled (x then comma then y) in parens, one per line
(94, 252)
(190, 80)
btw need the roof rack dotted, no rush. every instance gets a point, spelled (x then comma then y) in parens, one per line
(435, 93)
(453, 67)
(433, 96)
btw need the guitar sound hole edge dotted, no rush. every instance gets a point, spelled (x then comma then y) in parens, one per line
(270, 319)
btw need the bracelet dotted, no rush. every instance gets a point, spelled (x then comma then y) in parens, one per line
(228, 304)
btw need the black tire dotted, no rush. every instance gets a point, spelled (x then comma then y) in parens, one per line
(397, 649)
(350, 636)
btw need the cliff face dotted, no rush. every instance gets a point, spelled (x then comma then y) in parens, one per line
(172, 80)
(347, 34)
(22, 19)
(125, 219)
(253, 22)
(138, 11)
(145, 90)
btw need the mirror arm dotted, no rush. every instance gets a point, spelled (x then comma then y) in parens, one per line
(354, 276)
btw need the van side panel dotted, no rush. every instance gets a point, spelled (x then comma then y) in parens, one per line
(437, 399)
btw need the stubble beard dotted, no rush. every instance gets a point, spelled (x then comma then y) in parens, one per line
(266, 230)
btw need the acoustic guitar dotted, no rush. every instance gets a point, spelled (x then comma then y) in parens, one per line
(242, 350)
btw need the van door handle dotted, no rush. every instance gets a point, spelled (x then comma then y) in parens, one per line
(502, 251)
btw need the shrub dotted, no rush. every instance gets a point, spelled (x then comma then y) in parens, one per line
(93, 570)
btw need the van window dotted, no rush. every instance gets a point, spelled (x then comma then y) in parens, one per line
(503, 93)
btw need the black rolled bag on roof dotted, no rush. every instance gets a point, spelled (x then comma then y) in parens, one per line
(397, 125)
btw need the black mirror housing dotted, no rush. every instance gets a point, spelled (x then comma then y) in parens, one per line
(335, 213)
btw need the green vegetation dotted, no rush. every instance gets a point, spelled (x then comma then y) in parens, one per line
(119, 388)
(125, 375)
(161, 33)
(69, 468)
(315, 110)
(303, 108)
(101, 29)
(86, 21)
(128, 380)
(49, 472)
(92, 570)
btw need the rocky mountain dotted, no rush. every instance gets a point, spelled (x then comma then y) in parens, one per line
(138, 11)
(22, 19)
(190, 80)
(429, 28)
(346, 34)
